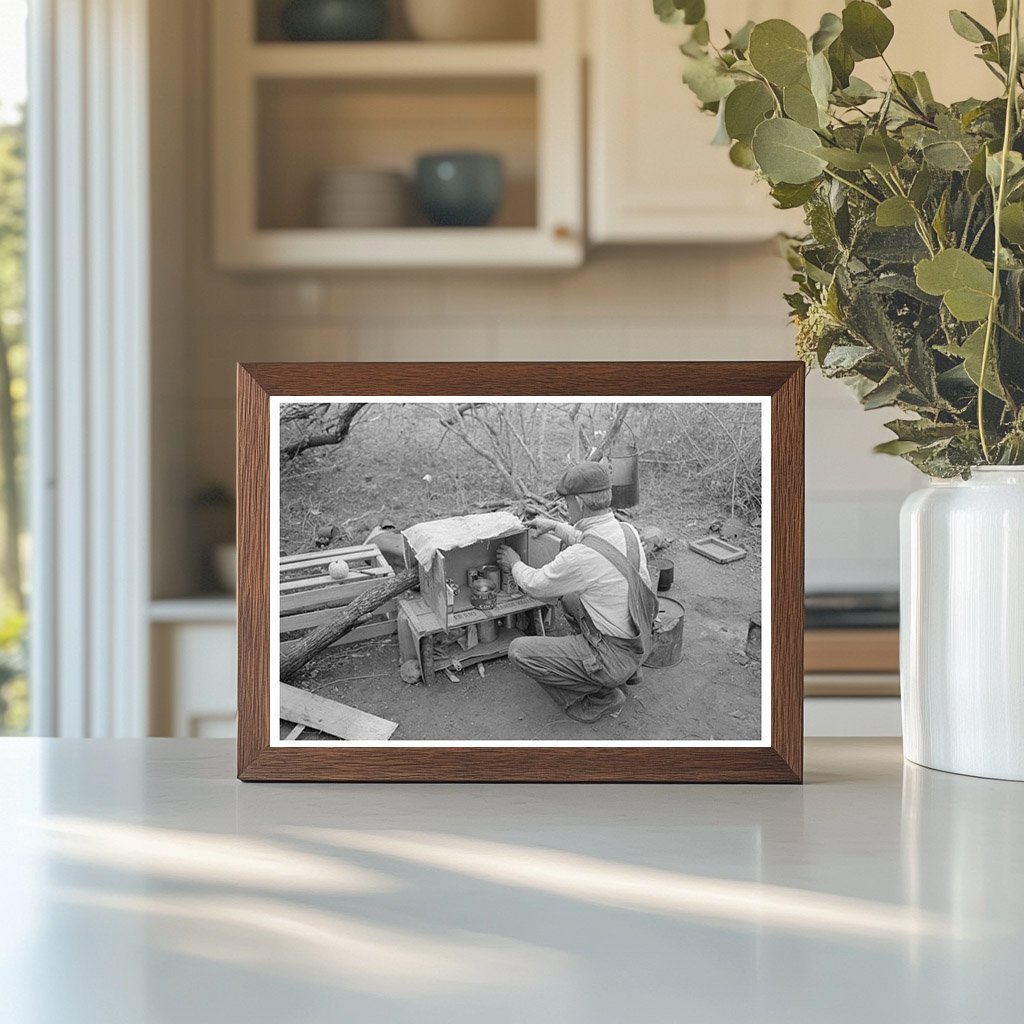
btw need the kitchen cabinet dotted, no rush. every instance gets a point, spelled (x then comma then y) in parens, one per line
(287, 113)
(192, 647)
(653, 175)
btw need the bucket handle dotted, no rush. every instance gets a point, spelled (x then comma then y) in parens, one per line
(632, 437)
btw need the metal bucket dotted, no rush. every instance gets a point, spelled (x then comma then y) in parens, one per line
(663, 572)
(668, 635)
(624, 466)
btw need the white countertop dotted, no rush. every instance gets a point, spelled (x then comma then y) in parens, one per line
(143, 885)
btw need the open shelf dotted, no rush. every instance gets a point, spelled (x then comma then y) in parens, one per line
(393, 60)
(286, 114)
(519, 19)
(308, 127)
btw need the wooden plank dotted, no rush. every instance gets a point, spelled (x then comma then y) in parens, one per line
(314, 570)
(295, 732)
(369, 631)
(332, 717)
(852, 650)
(373, 575)
(310, 620)
(322, 554)
(334, 595)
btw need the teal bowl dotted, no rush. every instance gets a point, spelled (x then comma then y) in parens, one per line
(460, 190)
(334, 21)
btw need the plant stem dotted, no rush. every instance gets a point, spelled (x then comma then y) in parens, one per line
(922, 225)
(993, 309)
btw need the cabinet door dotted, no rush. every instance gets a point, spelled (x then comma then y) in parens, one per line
(654, 175)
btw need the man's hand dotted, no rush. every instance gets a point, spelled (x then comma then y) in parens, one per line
(507, 557)
(542, 525)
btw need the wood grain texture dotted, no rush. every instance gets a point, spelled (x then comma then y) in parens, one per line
(781, 762)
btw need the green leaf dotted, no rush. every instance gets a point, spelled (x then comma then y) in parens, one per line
(924, 87)
(841, 60)
(745, 108)
(785, 152)
(778, 50)
(708, 80)
(676, 12)
(939, 220)
(883, 153)
(789, 197)
(830, 29)
(999, 6)
(963, 281)
(739, 41)
(921, 185)
(820, 77)
(969, 28)
(884, 395)
(976, 174)
(866, 29)
(971, 352)
(923, 431)
(800, 105)
(895, 447)
(844, 159)
(858, 91)
(1014, 169)
(701, 33)
(1012, 225)
(947, 156)
(741, 155)
(896, 212)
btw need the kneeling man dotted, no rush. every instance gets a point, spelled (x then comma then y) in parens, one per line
(602, 579)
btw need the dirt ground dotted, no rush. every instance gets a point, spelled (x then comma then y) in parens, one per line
(715, 693)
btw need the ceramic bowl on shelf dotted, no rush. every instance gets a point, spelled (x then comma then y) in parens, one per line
(471, 20)
(361, 198)
(460, 189)
(332, 21)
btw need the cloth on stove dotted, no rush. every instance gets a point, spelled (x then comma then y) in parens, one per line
(426, 539)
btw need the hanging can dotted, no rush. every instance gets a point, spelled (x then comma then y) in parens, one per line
(624, 465)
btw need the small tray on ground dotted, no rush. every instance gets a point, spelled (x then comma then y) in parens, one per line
(718, 550)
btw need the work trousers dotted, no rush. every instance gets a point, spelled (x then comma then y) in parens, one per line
(571, 667)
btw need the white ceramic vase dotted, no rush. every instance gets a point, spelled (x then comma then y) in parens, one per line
(962, 624)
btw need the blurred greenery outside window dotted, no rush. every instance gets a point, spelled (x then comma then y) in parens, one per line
(14, 693)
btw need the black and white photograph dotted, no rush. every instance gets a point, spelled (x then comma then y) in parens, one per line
(467, 571)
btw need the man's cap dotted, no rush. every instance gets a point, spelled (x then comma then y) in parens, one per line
(584, 478)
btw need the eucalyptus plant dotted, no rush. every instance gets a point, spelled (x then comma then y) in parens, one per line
(909, 280)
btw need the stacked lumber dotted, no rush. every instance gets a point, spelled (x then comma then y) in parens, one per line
(310, 597)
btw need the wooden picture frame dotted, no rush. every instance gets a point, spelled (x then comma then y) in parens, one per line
(779, 758)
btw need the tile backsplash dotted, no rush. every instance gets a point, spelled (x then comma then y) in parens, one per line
(719, 302)
(698, 302)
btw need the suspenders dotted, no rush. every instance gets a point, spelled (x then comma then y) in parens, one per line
(642, 601)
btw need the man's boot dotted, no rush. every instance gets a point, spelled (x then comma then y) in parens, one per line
(591, 708)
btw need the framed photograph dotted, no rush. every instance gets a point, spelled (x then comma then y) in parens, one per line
(550, 572)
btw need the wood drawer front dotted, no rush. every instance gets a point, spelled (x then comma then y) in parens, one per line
(852, 650)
